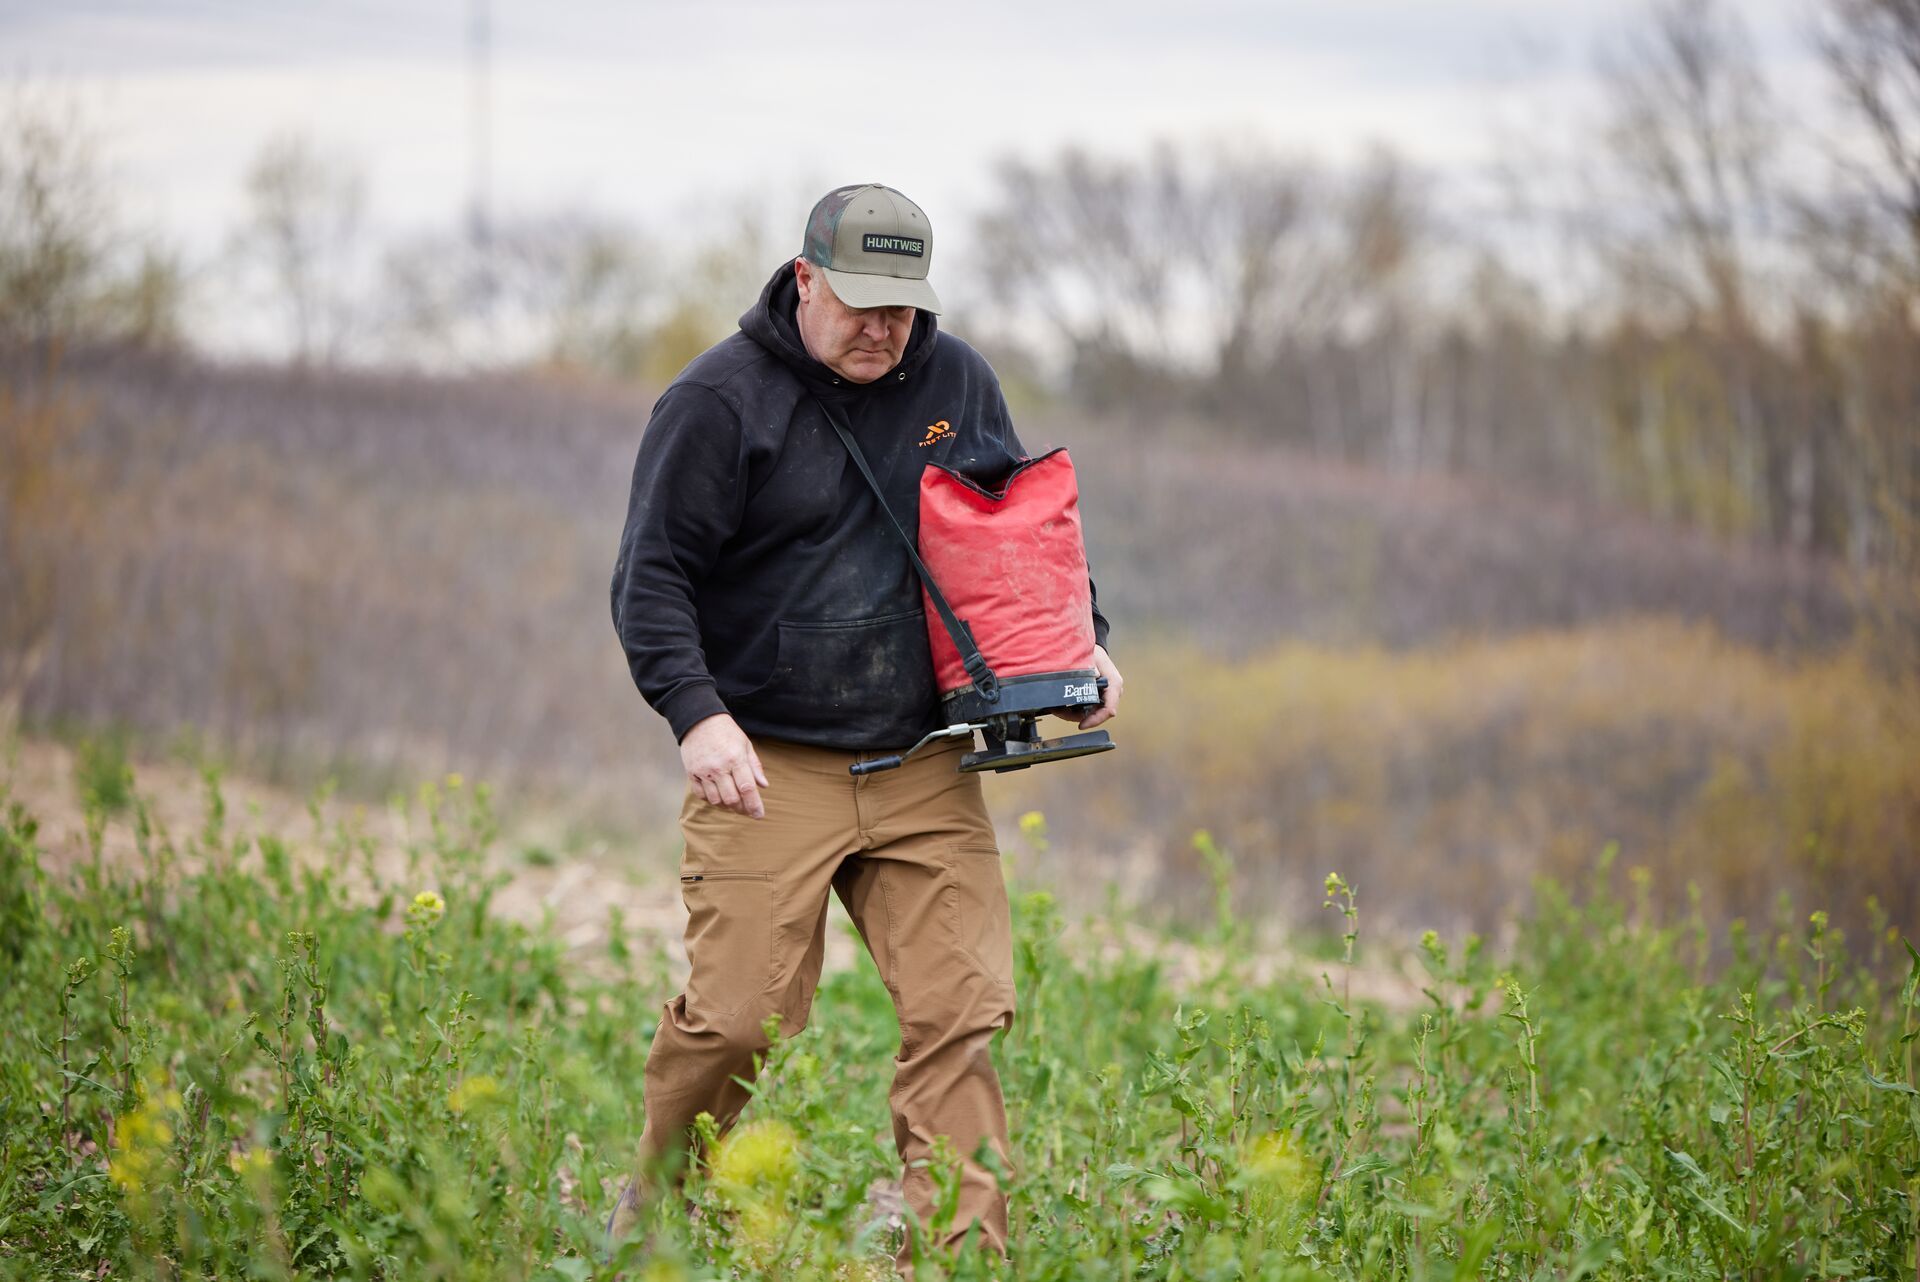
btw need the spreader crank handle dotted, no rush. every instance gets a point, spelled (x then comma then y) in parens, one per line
(898, 759)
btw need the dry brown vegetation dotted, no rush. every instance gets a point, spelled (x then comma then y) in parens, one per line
(1450, 777)
(1237, 544)
(382, 576)
(372, 576)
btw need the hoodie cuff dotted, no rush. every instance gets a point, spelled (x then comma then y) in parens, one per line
(688, 706)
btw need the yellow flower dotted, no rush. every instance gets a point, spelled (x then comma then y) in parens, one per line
(249, 1163)
(129, 1173)
(140, 1140)
(1279, 1178)
(426, 910)
(473, 1093)
(758, 1158)
(752, 1171)
(1033, 825)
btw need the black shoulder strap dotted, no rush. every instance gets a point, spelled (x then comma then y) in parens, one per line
(976, 664)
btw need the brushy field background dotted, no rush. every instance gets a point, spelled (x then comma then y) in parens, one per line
(248, 1050)
(1443, 685)
(246, 1053)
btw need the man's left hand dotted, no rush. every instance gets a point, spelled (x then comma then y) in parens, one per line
(1109, 701)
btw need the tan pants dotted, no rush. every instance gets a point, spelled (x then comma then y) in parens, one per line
(912, 855)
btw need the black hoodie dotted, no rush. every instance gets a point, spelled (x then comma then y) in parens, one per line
(756, 575)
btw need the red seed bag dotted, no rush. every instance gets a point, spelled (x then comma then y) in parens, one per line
(1013, 565)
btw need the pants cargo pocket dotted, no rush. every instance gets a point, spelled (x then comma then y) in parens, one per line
(729, 938)
(976, 907)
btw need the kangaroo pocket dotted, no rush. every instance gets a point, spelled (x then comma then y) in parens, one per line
(860, 682)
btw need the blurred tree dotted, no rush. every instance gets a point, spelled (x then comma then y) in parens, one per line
(55, 224)
(1872, 52)
(44, 488)
(572, 290)
(706, 295)
(564, 289)
(1086, 247)
(586, 283)
(1691, 129)
(1692, 137)
(1866, 235)
(147, 305)
(302, 233)
(1174, 279)
(425, 301)
(1383, 224)
(62, 277)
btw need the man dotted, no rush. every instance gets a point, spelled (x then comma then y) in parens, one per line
(772, 617)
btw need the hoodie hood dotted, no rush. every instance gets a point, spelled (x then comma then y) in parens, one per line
(770, 322)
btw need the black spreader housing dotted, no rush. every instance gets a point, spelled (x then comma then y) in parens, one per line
(1009, 719)
(1009, 722)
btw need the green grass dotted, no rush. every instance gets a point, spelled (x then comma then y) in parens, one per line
(243, 1058)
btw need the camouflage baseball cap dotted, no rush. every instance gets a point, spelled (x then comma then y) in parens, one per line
(874, 245)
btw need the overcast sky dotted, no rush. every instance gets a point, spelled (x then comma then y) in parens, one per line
(668, 114)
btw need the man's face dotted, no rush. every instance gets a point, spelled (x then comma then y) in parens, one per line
(857, 343)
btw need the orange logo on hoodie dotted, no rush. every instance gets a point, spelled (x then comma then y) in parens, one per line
(937, 432)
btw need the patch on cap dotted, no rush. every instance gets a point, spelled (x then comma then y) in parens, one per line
(875, 245)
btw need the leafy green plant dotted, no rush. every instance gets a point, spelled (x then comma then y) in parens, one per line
(20, 881)
(102, 775)
(254, 1055)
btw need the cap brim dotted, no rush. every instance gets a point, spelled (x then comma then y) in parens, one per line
(862, 289)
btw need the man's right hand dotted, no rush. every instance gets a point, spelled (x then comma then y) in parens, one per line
(721, 763)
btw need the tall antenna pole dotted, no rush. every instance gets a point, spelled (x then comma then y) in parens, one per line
(479, 215)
